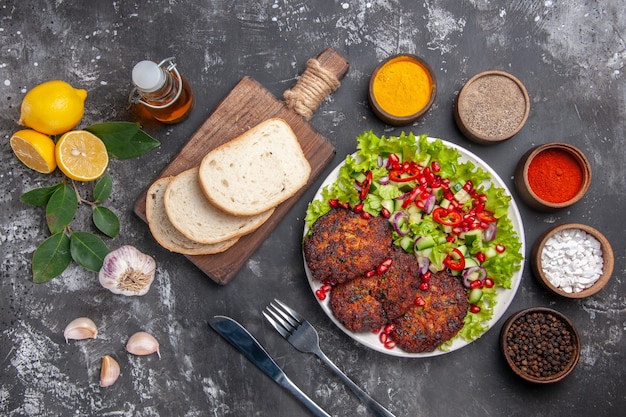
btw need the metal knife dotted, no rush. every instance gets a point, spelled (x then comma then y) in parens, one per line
(245, 343)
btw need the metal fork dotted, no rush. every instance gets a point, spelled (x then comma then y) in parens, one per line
(303, 336)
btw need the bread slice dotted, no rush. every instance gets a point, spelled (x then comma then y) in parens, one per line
(197, 219)
(255, 171)
(166, 234)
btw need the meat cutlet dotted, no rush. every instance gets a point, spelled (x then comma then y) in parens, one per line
(422, 328)
(343, 245)
(367, 303)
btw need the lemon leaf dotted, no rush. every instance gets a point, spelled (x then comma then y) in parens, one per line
(106, 221)
(103, 188)
(88, 250)
(39, 196)
(123, 140)
(51, 258)
(61, 208)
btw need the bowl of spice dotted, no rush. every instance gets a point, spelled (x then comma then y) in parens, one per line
(402, 89)
(540, 345)
(572, 260)
(492, 107)
(552, 176)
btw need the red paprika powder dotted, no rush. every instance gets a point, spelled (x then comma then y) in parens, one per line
(555, 175)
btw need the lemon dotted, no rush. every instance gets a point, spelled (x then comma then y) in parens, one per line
(81, 155)
(35, 150)
(53, 107)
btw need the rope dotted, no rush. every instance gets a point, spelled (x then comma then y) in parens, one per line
(315, 84)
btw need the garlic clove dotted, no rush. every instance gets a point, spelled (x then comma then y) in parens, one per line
(127, 271)
(143, 343)
(109, 372)
(79, 329)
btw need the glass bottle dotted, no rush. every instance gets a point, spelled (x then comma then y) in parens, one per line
(164, 92)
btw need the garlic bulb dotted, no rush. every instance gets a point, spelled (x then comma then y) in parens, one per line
(143, 343)
(127, 271)
(109, 372)
(79, 329)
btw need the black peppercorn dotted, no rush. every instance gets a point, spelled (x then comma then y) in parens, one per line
(539, 344)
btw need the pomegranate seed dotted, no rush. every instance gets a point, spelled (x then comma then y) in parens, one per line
(333, 203)
(384, 337)
(424, 286)
(386, 214)
(474, 309)
(390, 344)
(435, 166)
(489, 283)
(481, 257)
(370, 274)
(365, 215)
(500, 248)
(419, 301)
(450, 238)
(358, 208)
(384, 266)
(476, 284)
(426, 276)
(320, 294)
(389, 328)
(326, 287)
(375, 331)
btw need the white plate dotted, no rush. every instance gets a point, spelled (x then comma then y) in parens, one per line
(504, 296)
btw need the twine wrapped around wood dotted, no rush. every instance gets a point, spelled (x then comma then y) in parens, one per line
(313, 87)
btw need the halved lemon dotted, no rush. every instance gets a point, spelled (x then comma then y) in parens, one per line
(35, 150)
(81, 155)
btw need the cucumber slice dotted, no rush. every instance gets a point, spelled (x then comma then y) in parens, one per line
(425, 242)
(473, 236)
(407, 243)
(462, 196)
(471, 262)
(474, 296)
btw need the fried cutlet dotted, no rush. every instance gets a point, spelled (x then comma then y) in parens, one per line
(367, 303)
(343, 245)
(422, 328)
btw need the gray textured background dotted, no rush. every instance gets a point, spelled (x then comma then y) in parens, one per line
(570, 56)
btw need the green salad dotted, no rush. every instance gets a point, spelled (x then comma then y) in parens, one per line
(447, 212)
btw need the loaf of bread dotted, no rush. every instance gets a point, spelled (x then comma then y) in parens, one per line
(195, 217)
(166, 234)
(256, 171)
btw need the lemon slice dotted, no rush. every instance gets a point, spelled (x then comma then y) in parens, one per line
(35, 150)
(81, 155)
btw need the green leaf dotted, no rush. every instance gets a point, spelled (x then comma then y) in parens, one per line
(106, 221)
(61, 208)
(103, 188)
(124, 140)
(51, 258)
(39, 196)
(88, 250)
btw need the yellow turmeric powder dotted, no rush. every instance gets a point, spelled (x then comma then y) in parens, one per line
(402, 87)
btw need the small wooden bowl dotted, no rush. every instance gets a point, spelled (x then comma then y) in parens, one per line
(514, 352)
(525, 190)
(607, 256)
(492, 107)
(386, 114)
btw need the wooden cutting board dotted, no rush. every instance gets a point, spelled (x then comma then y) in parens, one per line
(247, 105)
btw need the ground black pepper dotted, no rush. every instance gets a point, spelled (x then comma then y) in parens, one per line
(493, 106)
(540, 344)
